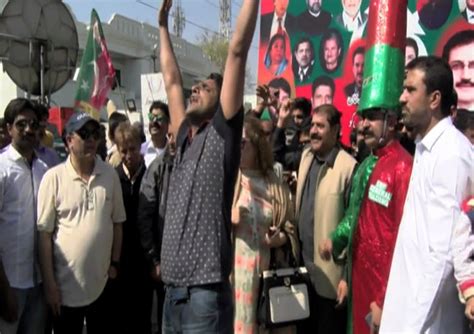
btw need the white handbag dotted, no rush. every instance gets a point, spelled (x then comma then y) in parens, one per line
(284, 298)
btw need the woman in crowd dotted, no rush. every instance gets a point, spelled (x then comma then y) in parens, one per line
(275, 57)
(262, 217)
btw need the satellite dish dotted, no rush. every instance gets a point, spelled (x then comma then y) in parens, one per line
(38, 45)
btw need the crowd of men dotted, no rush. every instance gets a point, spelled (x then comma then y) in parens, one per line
(91, 239)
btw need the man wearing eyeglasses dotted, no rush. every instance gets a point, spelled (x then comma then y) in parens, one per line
(159, 118)
(80, 211)
(20, 175)
(458, 53)
(45, 153)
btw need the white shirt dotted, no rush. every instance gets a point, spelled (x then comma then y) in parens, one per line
(274, 28)
(302, 71)
(421, 292)
(18, 197)
(150, 152)
(352, 24)
(313, 14)
(470, 16)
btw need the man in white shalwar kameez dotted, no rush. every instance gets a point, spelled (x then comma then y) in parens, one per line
(421, 294)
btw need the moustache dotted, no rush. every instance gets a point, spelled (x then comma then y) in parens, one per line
(314, 136)
(367, 133)
(465, 83)
(155, 125)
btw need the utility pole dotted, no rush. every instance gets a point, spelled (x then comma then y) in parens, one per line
(225, 18)
(179, 20)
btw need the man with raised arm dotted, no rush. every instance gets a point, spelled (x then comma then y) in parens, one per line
(196, 256)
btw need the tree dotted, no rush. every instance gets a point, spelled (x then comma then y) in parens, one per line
(215, 46)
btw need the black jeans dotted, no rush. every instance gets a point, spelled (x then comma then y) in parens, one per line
(160, 301)
(134, 297)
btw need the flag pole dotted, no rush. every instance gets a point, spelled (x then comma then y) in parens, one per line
(122, 96)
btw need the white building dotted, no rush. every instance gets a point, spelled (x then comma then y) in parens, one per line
(131, 45)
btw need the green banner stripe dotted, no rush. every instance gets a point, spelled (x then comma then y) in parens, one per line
(383, 77)
(85, 79)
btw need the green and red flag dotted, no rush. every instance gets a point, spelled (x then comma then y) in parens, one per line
(97, 73)
(385, 56)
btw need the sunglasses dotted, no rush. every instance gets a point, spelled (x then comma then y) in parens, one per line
(85, 133)
(31, 123)
(157, 119)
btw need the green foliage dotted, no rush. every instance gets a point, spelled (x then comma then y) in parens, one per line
(215, 46)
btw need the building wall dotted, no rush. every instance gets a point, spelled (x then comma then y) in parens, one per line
(132, 46)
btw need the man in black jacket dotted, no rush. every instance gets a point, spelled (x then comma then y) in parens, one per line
(315, 20)
(133, 286)
(303, 59)
(151, 216)
(276, 22)
(353, 90)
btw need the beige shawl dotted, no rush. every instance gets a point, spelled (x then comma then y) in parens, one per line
(283, 215)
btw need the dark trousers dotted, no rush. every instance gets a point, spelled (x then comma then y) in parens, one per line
(97, 315)
(325, 317)
(160, 301)
(205, 309)
(134, 297)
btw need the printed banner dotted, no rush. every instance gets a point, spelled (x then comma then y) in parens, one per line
(316, 48)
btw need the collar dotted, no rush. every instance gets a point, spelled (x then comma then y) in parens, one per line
(201, 127)
(469, 14)
(150, 147)
(432, 136)
(305, 69)
(98, 168)
(133, 177)
(14, 155)
(330, 158)
(350, 20)
(315, 15)
(275, 18)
